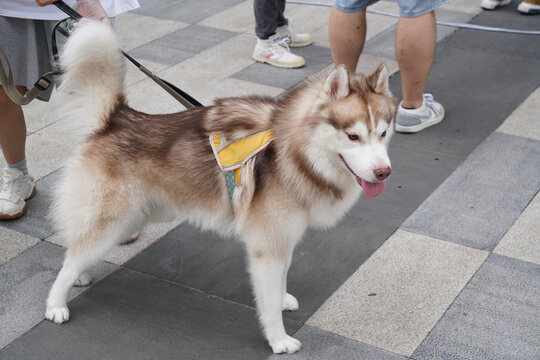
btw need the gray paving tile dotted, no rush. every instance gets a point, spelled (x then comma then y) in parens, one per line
(479, 202)
(317, 58)
(188, 11)
(408, 186)
(12, 243)
(130, 315)
(396, 297)
(321, 263)
(36, 222)
(524, 120)
(466, 124)
(521, 241)
(26, 281)
(321, 345)
(181, 44)
(128, 24)
(516, 46)
(495, 317)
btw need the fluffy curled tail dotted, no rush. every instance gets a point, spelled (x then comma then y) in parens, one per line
(94, 71)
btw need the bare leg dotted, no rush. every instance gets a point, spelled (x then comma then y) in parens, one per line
(12, 128)
(415, 48)
(347, 33)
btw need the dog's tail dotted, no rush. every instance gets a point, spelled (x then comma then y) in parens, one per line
(94, 72)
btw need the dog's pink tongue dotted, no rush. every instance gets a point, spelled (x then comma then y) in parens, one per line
(372, 190)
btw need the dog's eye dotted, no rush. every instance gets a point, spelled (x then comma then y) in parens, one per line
(353, 137)
(383, 134)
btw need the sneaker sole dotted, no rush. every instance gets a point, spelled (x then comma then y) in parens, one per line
(419, 127)
(299, 45)
(20, 213)
(14, 216)
(279, 65)
(492, 5)
(528, 9)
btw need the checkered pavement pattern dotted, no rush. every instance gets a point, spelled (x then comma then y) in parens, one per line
(445, 264)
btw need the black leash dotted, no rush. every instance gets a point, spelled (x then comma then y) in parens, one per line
(184, 98)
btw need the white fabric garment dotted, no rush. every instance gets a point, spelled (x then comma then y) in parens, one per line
(28, 9)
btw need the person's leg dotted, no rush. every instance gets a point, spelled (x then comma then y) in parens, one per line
(415, 49)
(347, 33)
(266, 13)
(281, 20)
(12, 128)
(271, 47)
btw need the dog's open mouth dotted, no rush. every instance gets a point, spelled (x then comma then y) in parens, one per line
(370, 189)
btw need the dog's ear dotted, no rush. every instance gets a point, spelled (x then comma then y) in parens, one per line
(337, 84)
(379, 80)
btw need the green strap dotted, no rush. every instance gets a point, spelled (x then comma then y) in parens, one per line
(6, 80)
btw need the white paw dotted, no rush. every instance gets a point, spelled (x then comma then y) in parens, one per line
(58, 314)
(289, 303)
(83, 280)
(287, 345)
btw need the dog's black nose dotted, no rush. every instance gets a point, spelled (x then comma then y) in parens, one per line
(382, 173)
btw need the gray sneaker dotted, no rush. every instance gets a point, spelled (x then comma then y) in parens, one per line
(414, 120)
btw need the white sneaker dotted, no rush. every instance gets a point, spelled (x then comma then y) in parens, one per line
(293, 39)
(414, 120)
(16, 188)
(529, 7)
(275, 51)
(493, 4)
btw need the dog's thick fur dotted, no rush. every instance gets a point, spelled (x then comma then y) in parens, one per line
(331, 134)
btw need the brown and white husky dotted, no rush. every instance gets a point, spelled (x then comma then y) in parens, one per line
(330, 136)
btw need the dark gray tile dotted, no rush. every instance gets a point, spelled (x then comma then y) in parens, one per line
(415, 175)
(188, 11)
(317, 58)
(321, 263)
(465, 126)
(25, 284)
(321, 345)
(130, 315)
(181, 44)
(497, 44)
(37, 222)
(495, 317)
(479, 202)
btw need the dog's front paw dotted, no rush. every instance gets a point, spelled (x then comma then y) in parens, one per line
(58, 314)
(289, 303)
(83, 280)
(287, 345)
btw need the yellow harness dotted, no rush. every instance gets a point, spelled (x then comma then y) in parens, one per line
(233, 155)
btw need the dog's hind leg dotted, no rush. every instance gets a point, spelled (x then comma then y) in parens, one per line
(81, 254)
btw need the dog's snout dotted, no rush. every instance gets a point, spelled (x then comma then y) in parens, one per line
(382, 173)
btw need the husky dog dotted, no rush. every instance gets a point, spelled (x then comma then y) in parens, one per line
(330, 136)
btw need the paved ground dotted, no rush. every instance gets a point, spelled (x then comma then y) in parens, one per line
(444, 265)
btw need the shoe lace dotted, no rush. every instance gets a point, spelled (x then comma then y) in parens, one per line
(429, 100)
(280, 47)
(9, 185)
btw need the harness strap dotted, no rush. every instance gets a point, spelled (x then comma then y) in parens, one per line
(6, 80)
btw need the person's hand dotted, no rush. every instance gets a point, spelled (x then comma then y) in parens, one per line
(45, 2)
(90, 9)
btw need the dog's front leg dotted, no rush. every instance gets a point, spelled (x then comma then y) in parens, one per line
(267, 277)
(289, 302)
